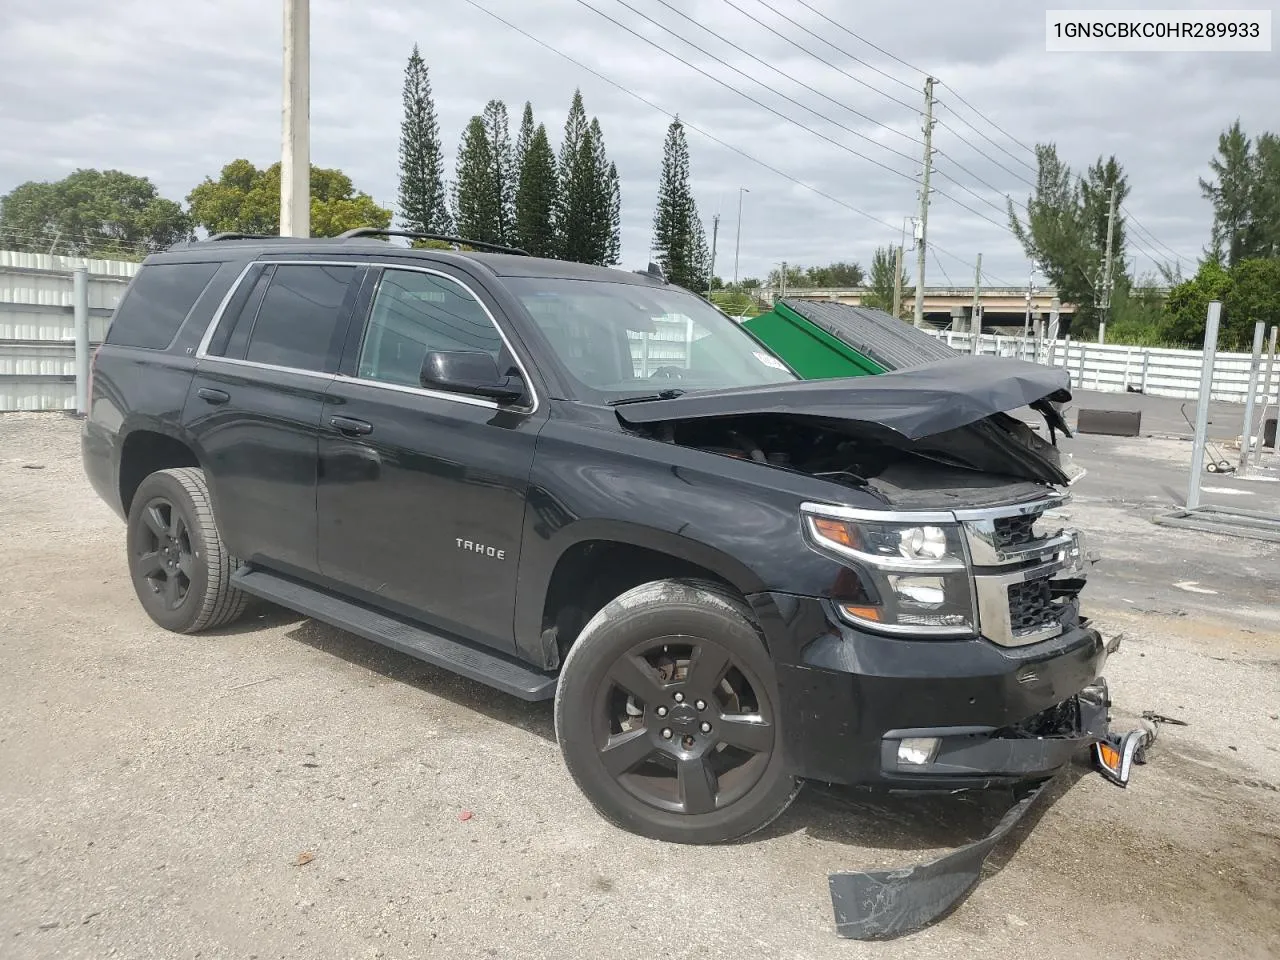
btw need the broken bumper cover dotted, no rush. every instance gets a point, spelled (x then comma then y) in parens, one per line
(1001, 714)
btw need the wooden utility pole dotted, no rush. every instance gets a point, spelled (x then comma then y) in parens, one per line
(897, 283)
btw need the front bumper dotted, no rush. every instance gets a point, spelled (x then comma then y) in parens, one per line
(1004, 714)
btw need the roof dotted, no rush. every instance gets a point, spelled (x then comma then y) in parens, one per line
(890, 342)
(500, 264)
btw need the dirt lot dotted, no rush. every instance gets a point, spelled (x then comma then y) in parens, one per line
(159, 794)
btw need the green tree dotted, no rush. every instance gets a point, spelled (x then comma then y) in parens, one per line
(879, 295)
(99, 213)
(573, 202)
(524, 139)
(1265, 238)
(1188, 303)
(842, 273)
(245, 199)
(613, 246)
(477, 195)
(679, 242)
(1232, 193)
(502, 179)
(422, 198)
(536, 196)
(1254, 295)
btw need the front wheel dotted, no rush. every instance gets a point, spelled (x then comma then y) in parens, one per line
(666, 713)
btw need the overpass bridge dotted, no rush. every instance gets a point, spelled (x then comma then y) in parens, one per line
(950, 306)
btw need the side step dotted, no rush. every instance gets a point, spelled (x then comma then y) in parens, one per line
(488, 666)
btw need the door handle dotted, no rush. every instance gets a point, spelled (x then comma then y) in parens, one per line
(350, 425)
(210, 395)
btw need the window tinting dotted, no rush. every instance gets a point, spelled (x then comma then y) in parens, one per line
(416, 312)
(160, 298)
(233, 332)
(299, 316)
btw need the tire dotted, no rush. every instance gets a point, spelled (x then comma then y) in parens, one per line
(686, 746)
(180, 569)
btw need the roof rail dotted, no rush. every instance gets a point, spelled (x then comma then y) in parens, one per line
(415, 235)
(236, 235)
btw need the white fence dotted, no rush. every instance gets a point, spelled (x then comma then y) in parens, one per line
(1118, 368)
(37, 324)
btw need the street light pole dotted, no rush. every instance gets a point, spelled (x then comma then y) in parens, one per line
(295, 146)
(738, 242)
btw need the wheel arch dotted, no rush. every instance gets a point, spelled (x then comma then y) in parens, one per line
(146, 449)
(603, 560)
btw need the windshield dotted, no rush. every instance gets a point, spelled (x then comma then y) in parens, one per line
(619, 340)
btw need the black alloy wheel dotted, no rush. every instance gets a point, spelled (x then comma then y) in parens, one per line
(667, 715)
(163, 557)
(682, 726)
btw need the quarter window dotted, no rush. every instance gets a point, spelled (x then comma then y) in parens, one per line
(161, 297)
(297, 323)
(415, 312)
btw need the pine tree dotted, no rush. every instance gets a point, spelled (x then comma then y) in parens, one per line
(422, 195)
(477, 196)
(679, 241)
(572, 200)
(503, 174)
(524, 139)
(613, 250)
(536, 197)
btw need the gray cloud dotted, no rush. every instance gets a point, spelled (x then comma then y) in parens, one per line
(175, 90)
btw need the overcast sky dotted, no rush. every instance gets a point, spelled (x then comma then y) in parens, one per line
(173, 89)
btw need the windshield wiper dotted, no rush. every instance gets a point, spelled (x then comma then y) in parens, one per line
(660, 395)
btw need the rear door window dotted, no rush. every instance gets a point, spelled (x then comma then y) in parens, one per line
(299, 323)
(159, 300)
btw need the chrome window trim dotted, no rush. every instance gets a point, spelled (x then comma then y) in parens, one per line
(218, 316)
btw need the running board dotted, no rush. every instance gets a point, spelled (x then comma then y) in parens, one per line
(488, 666)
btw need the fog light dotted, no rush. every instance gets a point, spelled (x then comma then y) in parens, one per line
(917, 751)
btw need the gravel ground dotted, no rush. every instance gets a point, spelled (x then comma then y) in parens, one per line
(283, 789)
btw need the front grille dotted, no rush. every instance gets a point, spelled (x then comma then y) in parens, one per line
(1013, 532)
(1031, 605)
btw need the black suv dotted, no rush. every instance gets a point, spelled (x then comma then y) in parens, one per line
(584, 483)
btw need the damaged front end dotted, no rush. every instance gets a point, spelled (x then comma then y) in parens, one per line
(948, 418)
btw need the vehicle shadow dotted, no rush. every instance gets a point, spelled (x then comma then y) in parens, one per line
(536, 718)
(852, 816)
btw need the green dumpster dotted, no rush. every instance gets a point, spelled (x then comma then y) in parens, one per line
(822, 339)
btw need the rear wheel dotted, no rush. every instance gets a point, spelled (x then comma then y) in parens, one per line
(180, 569)
(666, 713)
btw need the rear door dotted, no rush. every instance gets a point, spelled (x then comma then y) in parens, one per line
(254, 406)
(422, 493)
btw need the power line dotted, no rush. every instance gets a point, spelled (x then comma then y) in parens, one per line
(986, 156)
(730, 87)
(779, 114)
(861, 38)
(839, 50)
(1152, 237)
(667, 113)
(709, 136)
(997, 126)
(938, 264)
(780, 73)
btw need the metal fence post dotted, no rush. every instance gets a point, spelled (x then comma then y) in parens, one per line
(1271, 360)
(80, 302)
(1250, 390)
(1080, 369)
(1202, 411)
(1146, 363)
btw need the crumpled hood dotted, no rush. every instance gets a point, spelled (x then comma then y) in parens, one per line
(915, 402)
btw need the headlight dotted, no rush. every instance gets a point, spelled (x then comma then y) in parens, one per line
(918, 567)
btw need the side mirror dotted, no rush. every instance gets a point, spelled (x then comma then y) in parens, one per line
(469, 371)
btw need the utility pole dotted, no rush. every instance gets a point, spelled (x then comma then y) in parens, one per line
(715, 232)
(924, 199)
(1106, 276)
(738, 242)
(897, 283)
(782, 280)
(295, 152)
(975, 316)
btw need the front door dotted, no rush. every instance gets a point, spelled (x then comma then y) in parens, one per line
(422, 493)
(255, 404)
